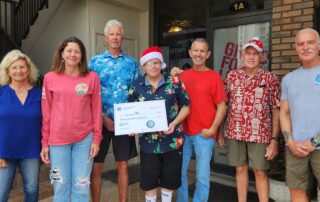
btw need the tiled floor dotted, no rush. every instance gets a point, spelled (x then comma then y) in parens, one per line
(110, 190)
(218, 192)
(45, 192)
(110, 193)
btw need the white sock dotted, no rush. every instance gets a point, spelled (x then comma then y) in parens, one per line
(151, 198)
(166, 196)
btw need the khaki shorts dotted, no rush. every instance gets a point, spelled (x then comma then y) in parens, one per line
(240, 153)
(299, 170)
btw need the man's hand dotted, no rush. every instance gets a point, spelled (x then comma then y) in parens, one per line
(297, 148)
(220, 140)
(3, 163)
(271, 150)
(45, 155)
(207, 133)
(94, 150)
(175, 71)
(108, 123)
(308, 145)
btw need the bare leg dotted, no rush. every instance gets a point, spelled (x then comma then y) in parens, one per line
(122, 180)
(242, 181)
(298, 195)
(152, 192)
(262, 185)
(96, 181)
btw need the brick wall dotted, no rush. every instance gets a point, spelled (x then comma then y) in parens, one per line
(288, 17)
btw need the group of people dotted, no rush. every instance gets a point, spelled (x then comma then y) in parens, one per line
(70, 124)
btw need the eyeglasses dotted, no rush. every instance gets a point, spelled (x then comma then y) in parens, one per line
(149, 64)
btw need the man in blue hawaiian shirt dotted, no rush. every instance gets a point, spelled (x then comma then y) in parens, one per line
(117, 71)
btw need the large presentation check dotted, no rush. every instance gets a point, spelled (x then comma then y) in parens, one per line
(140, 117)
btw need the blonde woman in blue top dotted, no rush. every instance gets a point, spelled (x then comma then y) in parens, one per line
(20, 125)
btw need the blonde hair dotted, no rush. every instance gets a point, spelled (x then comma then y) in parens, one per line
(113, 23)
(12, 57)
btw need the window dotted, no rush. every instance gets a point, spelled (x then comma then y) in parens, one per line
(179, 23)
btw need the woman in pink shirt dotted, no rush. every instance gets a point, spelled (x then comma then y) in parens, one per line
(71, 125)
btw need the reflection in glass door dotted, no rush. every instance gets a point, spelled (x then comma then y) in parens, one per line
(228, 43)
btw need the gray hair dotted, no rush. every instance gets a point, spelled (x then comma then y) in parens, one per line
(200, 40)
(12, 57)
(113, 23)
(309, 30)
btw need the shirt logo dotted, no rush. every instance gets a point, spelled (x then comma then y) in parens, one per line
(81, 88)
(317, 80)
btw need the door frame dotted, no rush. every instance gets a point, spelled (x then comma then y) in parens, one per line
(227, 22)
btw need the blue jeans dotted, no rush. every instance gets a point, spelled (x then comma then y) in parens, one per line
(29, 169)
(203, 150)
(70, 171)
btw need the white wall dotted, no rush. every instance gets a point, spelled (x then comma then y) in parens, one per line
(141, 5)
(85, 18)
(135, 21)
(144, 30)
(71, 19)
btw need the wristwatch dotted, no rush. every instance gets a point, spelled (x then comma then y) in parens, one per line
(276, 138)
(315, 141)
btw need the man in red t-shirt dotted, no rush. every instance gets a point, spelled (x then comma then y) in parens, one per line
(253, 125)
(208, 108)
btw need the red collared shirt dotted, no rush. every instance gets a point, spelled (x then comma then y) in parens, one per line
(251, 100)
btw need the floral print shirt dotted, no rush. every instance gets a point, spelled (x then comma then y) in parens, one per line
(172, 91)
(116, 77)
(251, 100)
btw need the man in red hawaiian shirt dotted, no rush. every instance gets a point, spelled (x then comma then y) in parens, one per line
(252, 121)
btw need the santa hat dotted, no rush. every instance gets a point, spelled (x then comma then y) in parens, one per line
(153, 52)
(255, 43)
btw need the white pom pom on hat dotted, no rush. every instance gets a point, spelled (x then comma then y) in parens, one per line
(153, 52)
(255, 43)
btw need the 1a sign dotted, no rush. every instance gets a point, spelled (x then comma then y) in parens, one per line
(239, 6)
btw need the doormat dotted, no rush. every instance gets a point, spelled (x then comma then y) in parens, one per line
(219, 192)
